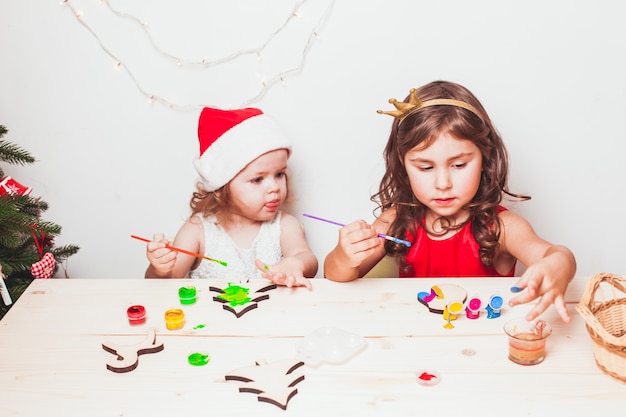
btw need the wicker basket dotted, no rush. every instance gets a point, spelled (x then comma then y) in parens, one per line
(606, 322)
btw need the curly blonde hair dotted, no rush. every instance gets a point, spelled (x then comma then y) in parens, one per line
(216, 203)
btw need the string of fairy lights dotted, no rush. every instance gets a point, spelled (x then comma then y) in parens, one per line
(265, 84)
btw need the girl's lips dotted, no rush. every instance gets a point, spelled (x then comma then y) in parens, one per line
(272, 205)
(444, 201)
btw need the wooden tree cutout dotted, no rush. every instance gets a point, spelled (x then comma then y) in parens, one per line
(238, 300)
(127, 357)
(273, 383)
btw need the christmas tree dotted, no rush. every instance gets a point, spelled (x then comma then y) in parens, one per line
(27, 249)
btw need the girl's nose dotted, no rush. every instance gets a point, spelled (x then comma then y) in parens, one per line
(442, 180)
(272, 185)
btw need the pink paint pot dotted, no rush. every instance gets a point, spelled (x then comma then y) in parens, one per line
(472, 309)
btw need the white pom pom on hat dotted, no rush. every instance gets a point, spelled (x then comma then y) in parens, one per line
(231, 139)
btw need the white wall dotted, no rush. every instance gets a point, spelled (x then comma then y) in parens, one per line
(111, 163)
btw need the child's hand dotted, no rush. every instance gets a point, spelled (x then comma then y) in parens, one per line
(547, 281)
(357, 241)
(160, 257)
(286, 279)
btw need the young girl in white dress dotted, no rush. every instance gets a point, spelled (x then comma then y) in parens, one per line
(236, 212)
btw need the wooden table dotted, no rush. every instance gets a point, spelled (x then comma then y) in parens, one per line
(52, 361)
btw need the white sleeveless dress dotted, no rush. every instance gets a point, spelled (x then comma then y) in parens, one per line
(219, 245)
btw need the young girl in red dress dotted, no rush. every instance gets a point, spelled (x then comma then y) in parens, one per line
(446, 175)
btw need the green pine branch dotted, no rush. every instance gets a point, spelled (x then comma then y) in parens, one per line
(24, 235)
(13, 154)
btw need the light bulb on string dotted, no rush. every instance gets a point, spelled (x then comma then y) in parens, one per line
(266, 84)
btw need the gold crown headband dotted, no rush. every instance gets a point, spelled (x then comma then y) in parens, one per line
(403, 110)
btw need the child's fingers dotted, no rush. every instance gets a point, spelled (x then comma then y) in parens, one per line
(561, 308)
(356, 232)
(261, 266)
(542, 305)
(355, 225)
(564, 314)
(280, 278)
(537, 310)
(304, 282)
(518, 300)
(293, 281)
(152, 246)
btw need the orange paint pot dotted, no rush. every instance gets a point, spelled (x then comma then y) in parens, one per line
(174, 319)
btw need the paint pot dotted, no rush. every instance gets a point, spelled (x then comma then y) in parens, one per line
(187, 295)
(527, 340)
(494, 306)
(452, 310)
(174, 319)
(136, 315)
(496, 302)
(472, 309)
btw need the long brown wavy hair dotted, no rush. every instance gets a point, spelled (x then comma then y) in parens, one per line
(420, 129)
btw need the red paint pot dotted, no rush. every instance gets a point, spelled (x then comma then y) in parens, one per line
(136, 315)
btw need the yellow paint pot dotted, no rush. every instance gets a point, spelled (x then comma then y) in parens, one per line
(174, 319)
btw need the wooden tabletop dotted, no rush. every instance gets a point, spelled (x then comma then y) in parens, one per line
(52, 358)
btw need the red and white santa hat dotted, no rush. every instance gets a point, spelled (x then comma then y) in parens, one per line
(231, 139)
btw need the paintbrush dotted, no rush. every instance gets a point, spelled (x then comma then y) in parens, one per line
(186, 252)
(380, 235)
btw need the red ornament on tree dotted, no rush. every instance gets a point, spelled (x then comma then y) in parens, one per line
(45, 267)
(9, 186)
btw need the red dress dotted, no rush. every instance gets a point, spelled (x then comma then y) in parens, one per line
(456, 256)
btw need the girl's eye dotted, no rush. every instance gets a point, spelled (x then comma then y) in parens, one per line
(257, 180)
(425, 168)
(460, 164)
(281, 174)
